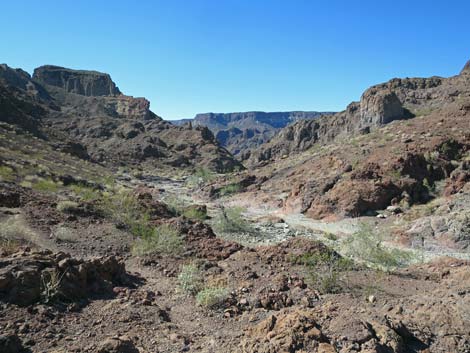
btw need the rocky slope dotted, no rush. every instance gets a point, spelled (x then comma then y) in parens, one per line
(240, 132)
(398, 145)
(86, 107)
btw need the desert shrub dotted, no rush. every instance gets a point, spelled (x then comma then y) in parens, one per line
(46, 185)
(163, 239)
(50, 286)
(367, 246)
(175, 204)
(190, 279)
(195, 213)
(331, 236)
(212, 297)
(200, 177)
(13, 232)
(6, 173)
(326, 269)
(67, 206)
(230, 189)
(86, 193)
(231, 220)
(122, 207)
(65, 235)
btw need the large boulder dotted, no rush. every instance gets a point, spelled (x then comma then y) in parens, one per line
(28, 277)
(380, 107)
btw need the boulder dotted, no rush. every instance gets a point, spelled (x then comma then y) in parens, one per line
(117, 345)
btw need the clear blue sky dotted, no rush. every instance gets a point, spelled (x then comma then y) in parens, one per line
(196, 56)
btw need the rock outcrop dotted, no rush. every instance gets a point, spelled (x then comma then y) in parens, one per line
(83, 82)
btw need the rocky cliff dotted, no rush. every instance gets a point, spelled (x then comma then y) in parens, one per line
(83, 82)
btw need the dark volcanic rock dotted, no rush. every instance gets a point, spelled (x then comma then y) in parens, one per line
(87, 83)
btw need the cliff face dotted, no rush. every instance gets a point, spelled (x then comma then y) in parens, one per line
(87, 83)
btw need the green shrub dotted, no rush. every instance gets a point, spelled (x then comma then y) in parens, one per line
(231, 220)
(190, 279)
(175, 204)
(367, 246)
(212, 297)
(200, 177)
(6, 173)
(196, 213)
(85, 192)
(230, 189)
(46, 185)
(325, 269)
(164, 240)
(67, 206)
(122, 207)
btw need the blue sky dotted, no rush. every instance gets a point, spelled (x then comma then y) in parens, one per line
(197, 56)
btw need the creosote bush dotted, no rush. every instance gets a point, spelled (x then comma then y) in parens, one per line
(163, 239)
(231, 220)
(6, 173)
(86, 193)
(230, 189)
(212, 297)
(367, 246)
(67, 206)
(195, 213)
(46, 185)
(200, 177)
(326, 269)
(190, 279)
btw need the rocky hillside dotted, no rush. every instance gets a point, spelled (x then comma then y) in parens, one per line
(406, 142)
(397, 99)
(86, 108)
(240, 132)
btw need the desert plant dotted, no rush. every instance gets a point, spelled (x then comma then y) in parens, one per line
(67, 206)
(190, 279)
(367, 246)
(13, 233)
(86, 193)
(200, 177)
(6, 173)
(230, 189)
(326, 269)
(50, 286)
(231, 220)
(195, 213)
(164, 239)
(46, 185)
(122, 207)
(212, 297)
